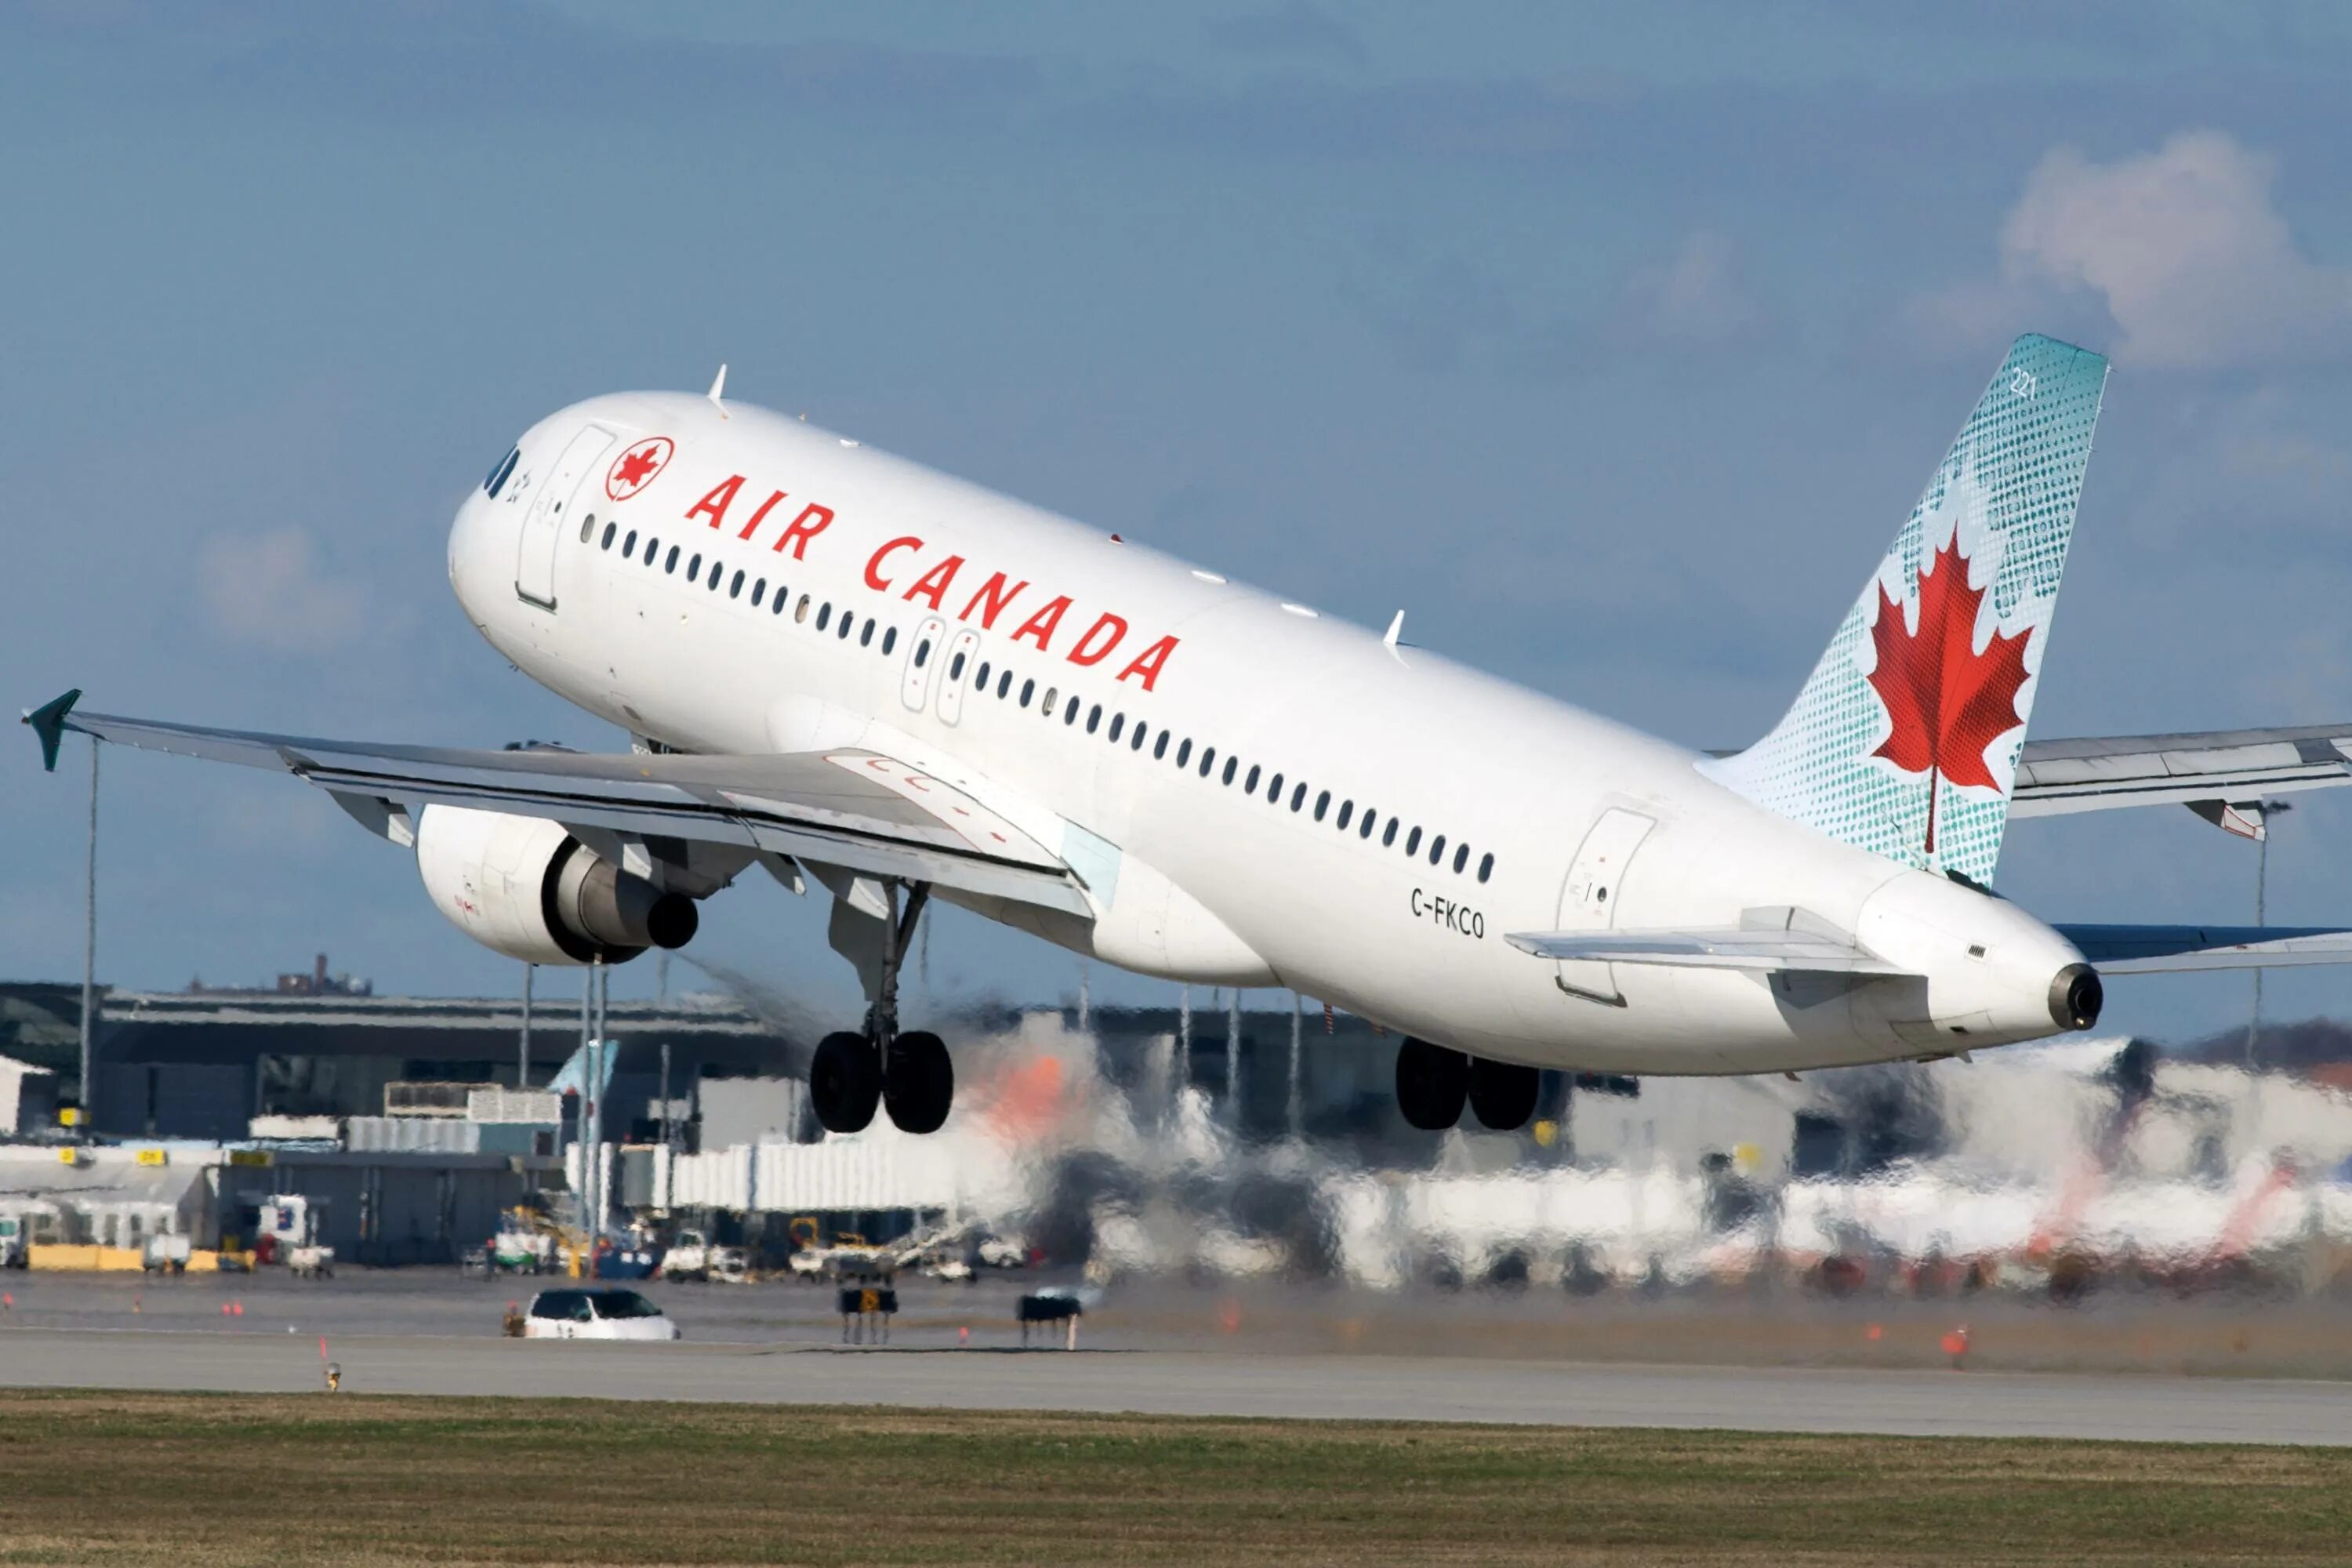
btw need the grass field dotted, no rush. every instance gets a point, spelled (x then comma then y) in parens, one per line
(205, 1480)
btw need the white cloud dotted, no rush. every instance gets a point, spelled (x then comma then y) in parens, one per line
(265, 590)
(2195, 266)
(1694, 296)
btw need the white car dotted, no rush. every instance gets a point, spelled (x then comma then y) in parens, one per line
(595, 1314)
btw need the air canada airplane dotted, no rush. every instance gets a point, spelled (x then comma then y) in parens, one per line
(837, 665)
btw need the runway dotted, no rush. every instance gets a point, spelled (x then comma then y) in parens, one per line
(1208, 1383)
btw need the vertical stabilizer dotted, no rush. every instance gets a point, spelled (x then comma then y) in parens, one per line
(1905, 739)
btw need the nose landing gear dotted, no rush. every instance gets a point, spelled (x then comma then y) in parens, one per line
(1433, 1083)
(907, 1075)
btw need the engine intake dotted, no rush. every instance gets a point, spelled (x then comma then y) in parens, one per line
(524, 887)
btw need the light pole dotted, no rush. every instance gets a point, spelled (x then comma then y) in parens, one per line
(88, 1127)
(2271, 811)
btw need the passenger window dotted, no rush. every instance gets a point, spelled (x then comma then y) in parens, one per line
(629, 545)
(1230, 766)
(1118, 723)
(1322, 805)
(1004, 685)
(718, 570)
(1208, 760)
(1249, 784)
(1413, 842)
(1387, 835)
(980, 681)
(1485, 865)
(759, 591)
(1071, 717)
(1028, 689)
(824, 614)
(735, 587)
(1365, 831)
(1297, 795)
(1347, 810)
(610, 530)
(849, 625)
(1093, 717)
(653, 548)
(1141, 730)
(1437, 849)
(801, 613)
(1274, 790)
(669, 561)
(694, 567)
(1184, 751)
(1461, 858)
(889, 637)
(1046, 706)
(1160, 746)
(865, 637)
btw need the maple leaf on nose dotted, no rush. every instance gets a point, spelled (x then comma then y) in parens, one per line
(1946, 701)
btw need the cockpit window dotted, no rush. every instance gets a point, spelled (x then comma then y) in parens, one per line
(500, 474)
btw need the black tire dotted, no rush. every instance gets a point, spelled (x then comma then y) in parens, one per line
(1430, 1081)
(845, 1082)
(918, 1082)
(1502, 1094)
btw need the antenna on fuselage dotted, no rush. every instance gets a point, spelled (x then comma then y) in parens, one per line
(717, 387)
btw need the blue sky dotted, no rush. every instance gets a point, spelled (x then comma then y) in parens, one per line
(1613, 347)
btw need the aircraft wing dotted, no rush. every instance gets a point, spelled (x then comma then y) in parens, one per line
(1723, 947)
(2147, 950)
(847, 807)
(2218, 766)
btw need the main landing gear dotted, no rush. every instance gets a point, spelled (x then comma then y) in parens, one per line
(1433, 1082)
(907, 1075)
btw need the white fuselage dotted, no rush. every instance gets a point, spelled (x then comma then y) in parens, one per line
(1587, 823)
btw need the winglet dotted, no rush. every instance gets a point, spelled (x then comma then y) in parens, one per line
(717, 390)
(1396, 629)
(48, 722)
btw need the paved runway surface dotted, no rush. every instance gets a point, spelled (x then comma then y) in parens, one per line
(1205, 1383)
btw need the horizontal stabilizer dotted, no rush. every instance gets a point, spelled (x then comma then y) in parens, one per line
(2057, 776)
(1724, 948)
(2149, 950)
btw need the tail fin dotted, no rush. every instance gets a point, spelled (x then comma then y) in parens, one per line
(1905, 739)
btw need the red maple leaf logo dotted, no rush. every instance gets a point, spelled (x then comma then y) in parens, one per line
(1947, 701)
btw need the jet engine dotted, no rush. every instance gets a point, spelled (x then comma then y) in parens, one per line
(524, 887)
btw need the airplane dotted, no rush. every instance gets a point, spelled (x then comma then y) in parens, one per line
(837, 665)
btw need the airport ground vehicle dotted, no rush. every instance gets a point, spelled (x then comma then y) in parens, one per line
(694, 1255)
(595, 1314)
(13, 1253)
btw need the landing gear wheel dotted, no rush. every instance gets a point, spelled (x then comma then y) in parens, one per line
(918, 1082)
(1502, 1094)
(845, 1082)
(1430, 1081)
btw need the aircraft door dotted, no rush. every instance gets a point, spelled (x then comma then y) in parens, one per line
(551, 513)
(923, 657)
(1588, 900)
(964, 650)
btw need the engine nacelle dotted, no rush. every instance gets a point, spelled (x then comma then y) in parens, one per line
(524, 887)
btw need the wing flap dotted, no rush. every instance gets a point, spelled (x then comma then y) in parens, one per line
(2150, 950)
